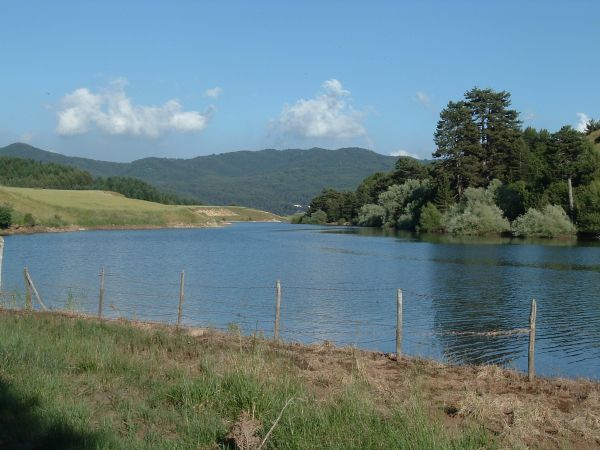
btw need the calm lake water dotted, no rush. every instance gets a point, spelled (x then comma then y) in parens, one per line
(339, 285)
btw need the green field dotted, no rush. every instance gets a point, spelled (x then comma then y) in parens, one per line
(64, 208)
(73, 383)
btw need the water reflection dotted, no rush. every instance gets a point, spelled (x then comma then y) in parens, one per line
(339, 284)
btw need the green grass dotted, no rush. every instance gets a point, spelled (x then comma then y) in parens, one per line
(60, 208)
(71, 383)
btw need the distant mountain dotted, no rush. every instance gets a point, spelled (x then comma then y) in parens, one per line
(272, 180)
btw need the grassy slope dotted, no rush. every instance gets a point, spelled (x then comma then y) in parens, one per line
(56, 208)
(71, 383)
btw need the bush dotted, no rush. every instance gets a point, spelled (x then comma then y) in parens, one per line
(477, 213)
(318, 217)
(28, 220)
(297, 218)
(403, 203)
(476, 219)
(371, 215)
(5, 216)
(431, 219)
(552, 221)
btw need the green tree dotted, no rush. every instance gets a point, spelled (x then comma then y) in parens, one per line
(565, 150)
(458, 147)
(499, 133)
(588, 216)
(408, 168)
(430, 219)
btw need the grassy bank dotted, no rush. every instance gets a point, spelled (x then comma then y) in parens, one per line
(90, 209)
(72, 383)
(69, 382)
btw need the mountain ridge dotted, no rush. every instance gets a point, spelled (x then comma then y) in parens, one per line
(268, 179)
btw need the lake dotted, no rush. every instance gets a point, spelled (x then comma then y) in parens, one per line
(339, 285)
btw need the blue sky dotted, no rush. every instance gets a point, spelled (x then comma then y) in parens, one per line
(120, 80)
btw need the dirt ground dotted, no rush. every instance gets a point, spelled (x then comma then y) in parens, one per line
(545, 413)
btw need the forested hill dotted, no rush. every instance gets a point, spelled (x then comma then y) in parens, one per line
(273, 180)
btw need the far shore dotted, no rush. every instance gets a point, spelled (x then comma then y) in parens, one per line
(73, 228)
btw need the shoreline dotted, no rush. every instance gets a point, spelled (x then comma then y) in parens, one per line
(75, 228)
(543, 413)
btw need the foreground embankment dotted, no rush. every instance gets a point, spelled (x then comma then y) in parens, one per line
(73, 382)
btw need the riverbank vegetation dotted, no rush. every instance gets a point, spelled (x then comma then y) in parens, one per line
(487, 176)
(38, 209)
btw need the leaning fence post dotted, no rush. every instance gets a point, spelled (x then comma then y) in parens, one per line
(531, 355)
(277, 309)
(101, 296)
(29, 281)
(398, 324)
(181, 296)
(28, 304)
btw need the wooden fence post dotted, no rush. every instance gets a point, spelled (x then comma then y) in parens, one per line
(398, 324)
(181, 297)
(29, 281)
(531, 355)
(101, 296)
(1, 255)
(277, 309)
(28, 304)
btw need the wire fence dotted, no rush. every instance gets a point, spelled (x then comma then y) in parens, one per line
(305, 314)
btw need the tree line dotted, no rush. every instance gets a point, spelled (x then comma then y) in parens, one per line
(487, 175)
(18, 172)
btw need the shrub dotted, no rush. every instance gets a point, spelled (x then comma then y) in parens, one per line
(431, 219)
(477, 218)
(28, 220)
(5, 216)
(297, 218)
(317, 217)
(371, 215)
(552, 221)
(403, 203)
(477, 213)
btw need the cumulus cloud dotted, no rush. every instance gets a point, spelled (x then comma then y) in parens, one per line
(214, 92)
(112, 112)
(404, 153)
(583, 121)
(328, 115)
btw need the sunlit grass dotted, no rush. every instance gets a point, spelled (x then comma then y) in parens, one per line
(60, 208)
(72, 383)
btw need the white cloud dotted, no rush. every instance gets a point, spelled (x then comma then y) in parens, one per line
(583, 121)
(423, 98)
(404, 153)
(111, 111)
(327, 115)
(215, 92)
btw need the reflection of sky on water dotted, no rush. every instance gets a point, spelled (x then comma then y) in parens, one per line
(338, 285)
